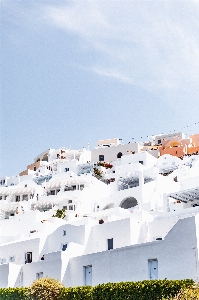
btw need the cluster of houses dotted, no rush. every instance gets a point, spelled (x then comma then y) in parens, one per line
(118, 212)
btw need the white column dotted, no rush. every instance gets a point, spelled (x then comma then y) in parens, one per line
(165, 205)
(141, 187)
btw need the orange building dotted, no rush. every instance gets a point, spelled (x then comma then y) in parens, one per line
(180, 147)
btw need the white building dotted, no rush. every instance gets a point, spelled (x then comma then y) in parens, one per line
(128, 217)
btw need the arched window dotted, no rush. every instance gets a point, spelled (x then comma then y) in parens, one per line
(128, 203)
(119, 155)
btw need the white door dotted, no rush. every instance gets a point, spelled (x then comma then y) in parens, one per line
(88, 275)
(153, 269)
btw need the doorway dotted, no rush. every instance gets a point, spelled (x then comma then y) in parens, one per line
(28, 257)
(88, 275)
(153, 269)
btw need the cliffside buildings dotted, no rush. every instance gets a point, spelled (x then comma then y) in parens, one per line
(131, 213)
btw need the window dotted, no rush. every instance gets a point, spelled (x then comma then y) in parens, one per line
(159, 141)
(70, 201)
(34, 169)
(119, 155)
(39, 275)
(141, 162)
(1, 197)
(110, 244)
(101, 157)
(64, 232)
(64, 247)
(28, 257)
(65, 207)
(52, 192)
(176, 152)
(25, 197)
(25, 185)
(70, 207)
(17, 198)
(74, 187)
(12, 259)
(2, 261)
(66, 169)
(81, 187)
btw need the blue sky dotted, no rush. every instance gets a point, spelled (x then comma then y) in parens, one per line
(74, 72)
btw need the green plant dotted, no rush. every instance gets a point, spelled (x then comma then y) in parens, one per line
(141, 290)
(191, 293)
(13, 293)
(45, 289)
(51, 289)
(97, 172)
(60, 213)
(77, 293)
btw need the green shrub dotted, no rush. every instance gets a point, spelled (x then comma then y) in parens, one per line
(51, 289)
(45, 289)
(191, 293)
(77, 293)
(13, 293)
(60, 213)
(142, 290)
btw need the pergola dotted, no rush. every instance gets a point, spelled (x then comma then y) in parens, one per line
(85, 168)
(185, 196)
(132, 180)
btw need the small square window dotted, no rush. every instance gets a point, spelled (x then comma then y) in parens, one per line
(70, 201)
(101, 157)
(64, 247)
(66, 169)
(70, 207)
(65, 207)
(25, 197)
(12, 259)
(141, 162)
(39, 275)
(64, 232)
(25, 185)
(2, 261)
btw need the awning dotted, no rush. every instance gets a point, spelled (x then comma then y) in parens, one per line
(26, 190)
(9, 206)
(15, 191)
(186, 195)
(63, 182)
